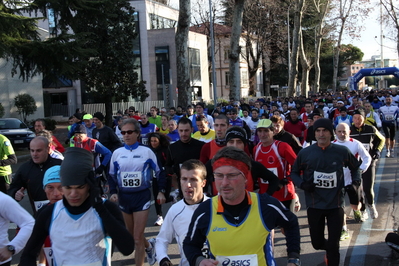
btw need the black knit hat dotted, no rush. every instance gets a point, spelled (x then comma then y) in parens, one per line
(78, 116)
(80, 128)
(359, 112)
(236, 132)
(324, 123)
(99, 116)
(76, 166)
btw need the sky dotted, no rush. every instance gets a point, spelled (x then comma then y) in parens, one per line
(366, 42)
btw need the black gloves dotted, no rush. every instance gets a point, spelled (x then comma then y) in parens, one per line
(308, 186)
(100, 169)
(350, 188)
(284, 182)
(165, 262)
(376, 155)
(95, 193)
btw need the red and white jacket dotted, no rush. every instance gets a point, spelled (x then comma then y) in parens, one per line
(278, 158)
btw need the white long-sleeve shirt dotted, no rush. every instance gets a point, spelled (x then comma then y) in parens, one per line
(175, 225)
(359, 151)
(10, 210)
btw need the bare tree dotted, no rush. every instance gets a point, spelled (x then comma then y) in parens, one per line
(322, 7)
(298, 14)
(346, 14)
(181, 39)
(306, 66)
(392, 17)
(235, 50)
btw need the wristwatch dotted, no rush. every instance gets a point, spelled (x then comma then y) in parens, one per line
(11, 248)
(162, 191)
(296, 262)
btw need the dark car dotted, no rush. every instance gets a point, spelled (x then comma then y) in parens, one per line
(16, 131)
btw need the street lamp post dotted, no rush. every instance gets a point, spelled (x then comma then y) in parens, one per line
(214, 81)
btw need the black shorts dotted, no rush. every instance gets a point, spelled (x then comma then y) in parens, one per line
(354, 195)
(389, 130)
(135, 202)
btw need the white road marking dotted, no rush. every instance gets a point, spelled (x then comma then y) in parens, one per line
(359, 251)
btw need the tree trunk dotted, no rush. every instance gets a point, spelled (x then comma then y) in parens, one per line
(181, 39)
(345, 9)
(108, 111)
(306, 66)
(235, 50)
(299, 4)
(337, 50)
(317, 58)
(321, 12)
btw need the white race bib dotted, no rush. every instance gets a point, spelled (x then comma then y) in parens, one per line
(389, 117)
(131, 179)
(40, 203)
(98, 263)
(244, 260)
(274, 171)
(325, 180)
(48, 251)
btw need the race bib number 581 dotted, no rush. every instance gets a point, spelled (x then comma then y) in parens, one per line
(325, 180)
(131, 179)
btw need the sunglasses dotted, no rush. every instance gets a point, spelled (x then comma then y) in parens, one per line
(129, 132)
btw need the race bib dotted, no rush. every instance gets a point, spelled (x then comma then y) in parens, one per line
(144, 141)
(325, 180)
(131, 179)
(40, 203)
(389, 117)
(366, 146)
(274, 171)
(242, 260)
(48, 251)
(98, 263)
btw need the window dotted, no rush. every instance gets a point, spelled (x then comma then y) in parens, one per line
(227, 78)
(158, 22)
(244, 77)
(162, 67)
(194, 62)
(226, 53)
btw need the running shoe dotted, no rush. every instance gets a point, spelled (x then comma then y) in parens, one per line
(358, 216)
(365, 215)
(388, 154)
(373, 211)
(150, 251)
(159, 221)
(392, 153)
(344, 235)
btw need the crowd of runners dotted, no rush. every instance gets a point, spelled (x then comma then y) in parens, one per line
(231, 172)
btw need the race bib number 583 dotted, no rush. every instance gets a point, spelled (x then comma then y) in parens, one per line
(325, 180)
(131, 179)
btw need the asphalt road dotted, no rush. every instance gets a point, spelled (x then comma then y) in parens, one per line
(366, 245)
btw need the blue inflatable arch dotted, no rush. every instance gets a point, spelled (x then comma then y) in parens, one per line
(372, 72)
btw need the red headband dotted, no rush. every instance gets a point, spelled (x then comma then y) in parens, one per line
(231, 162)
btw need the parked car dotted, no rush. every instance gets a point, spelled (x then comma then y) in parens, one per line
(16, 131)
